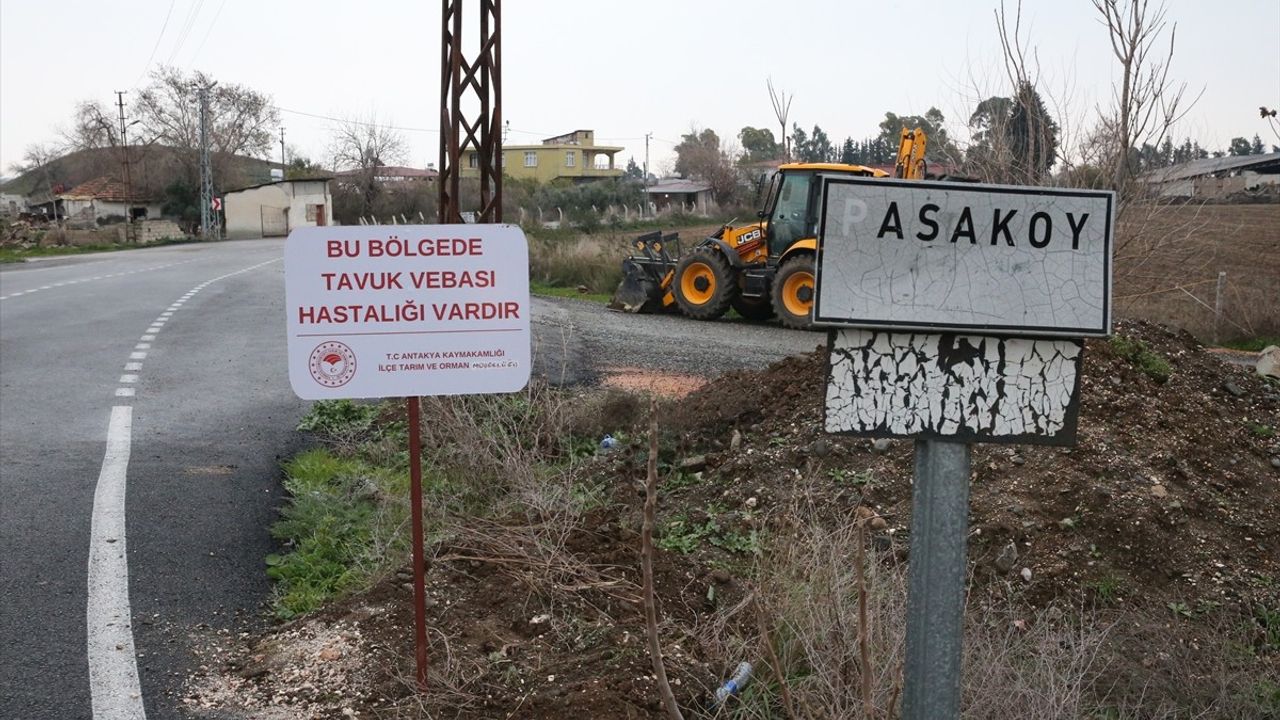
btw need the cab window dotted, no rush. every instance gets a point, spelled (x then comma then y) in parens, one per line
(790, 221)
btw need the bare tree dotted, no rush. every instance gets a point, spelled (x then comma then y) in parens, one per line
(364, 145)
(1146, 102)
(92, 127)
(781, 110)
(241, 121)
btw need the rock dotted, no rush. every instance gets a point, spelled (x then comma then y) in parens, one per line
(1233, 388)
(1018, 460)
(330, 654)
(751, 502)
(820, 448)
(720, 577)
(1007, 557)
(694, 464)
(1026, 574)
(1269, 362)
(877, 523)
(1275, 462)
(881, 446)
(735, 442)
(1159, 492)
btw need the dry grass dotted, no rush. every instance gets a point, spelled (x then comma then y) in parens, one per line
(1020, 663)
(1168, 258)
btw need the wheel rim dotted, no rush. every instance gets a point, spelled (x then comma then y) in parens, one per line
(698, 283)
(796, 287)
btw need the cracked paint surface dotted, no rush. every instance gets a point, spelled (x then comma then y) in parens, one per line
(966, 258)
(886, 383)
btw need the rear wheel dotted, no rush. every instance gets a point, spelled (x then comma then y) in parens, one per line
(793, 292)
(754, 309)
(704, 285)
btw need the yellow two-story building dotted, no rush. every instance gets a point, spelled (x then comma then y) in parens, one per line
(572, 155)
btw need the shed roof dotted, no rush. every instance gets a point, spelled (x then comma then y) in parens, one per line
(400, 171)
(279, 182)
(1213, 166)
(678, 185)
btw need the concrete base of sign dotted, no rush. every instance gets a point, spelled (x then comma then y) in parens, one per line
(967, 387)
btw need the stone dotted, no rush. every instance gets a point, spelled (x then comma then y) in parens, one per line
(720, 577)
(1275, 462)
(877, 523)
(1269, 362)
(1234, 389)
(735, 442)
(1026, 574)
(1159, 492)
(694, 464)
(330, 654)
(1006, 558)
(881, 445)
(820, 448)
(1018, 460)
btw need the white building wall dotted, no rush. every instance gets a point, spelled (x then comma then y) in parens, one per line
(273, 210)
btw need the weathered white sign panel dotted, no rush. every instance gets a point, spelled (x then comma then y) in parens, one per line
(935, 256)
(407, 310)
(975, 387)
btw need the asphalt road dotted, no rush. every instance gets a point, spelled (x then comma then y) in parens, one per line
(144, 411)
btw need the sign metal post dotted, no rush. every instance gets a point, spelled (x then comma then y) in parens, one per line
(414, 408)
(957, 314)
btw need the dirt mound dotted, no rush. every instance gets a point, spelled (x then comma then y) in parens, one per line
(1169, 494)
(1167, 504)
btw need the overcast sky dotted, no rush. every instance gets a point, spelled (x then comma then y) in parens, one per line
(620, 68)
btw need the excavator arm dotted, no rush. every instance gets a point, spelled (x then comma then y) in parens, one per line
(911, 146)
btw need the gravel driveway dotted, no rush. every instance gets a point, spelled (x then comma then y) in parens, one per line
(575, 341)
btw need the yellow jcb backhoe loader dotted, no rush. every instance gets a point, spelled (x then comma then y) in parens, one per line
(761, 270)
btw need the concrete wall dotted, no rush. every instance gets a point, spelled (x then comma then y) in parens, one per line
(273, 210)
(86, 212)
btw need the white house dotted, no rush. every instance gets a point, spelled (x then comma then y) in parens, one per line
(102, 198)
(273, 209)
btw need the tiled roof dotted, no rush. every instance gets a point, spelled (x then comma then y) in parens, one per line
(102, 188)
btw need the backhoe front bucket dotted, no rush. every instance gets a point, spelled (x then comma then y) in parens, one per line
(637, 292)
(641, 288)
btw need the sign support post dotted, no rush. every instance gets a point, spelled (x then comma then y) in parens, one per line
(414, 408)
(936, 575)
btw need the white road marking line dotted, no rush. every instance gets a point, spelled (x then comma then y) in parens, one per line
(114, 690)
(166, 313)
(147, 338)
(88, 279)
(142, 346)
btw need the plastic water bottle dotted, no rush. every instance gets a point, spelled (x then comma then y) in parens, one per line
(734, 685)
(608, 443)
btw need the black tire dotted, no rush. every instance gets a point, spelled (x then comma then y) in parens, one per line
(753, 309)
(790, 289)
(704, 285)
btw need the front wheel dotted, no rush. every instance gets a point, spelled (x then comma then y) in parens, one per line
(793, 291)
(704, 285)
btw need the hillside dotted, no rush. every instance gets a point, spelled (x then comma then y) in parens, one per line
(154, 167)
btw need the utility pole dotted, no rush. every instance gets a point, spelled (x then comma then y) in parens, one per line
(128, 179)
(209, 226)
(646, 169)
(283, 170)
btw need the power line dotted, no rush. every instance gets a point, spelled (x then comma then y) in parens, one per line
(205, 39)
(164, 26)
(186, 30)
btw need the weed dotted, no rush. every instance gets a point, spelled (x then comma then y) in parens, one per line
(339, 421)
(682, 536)
(681, 480)
(1260, 430)
(1179, 609)
(1138, 353)
(1268, 619)
(1106, 588)
(747, 543)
